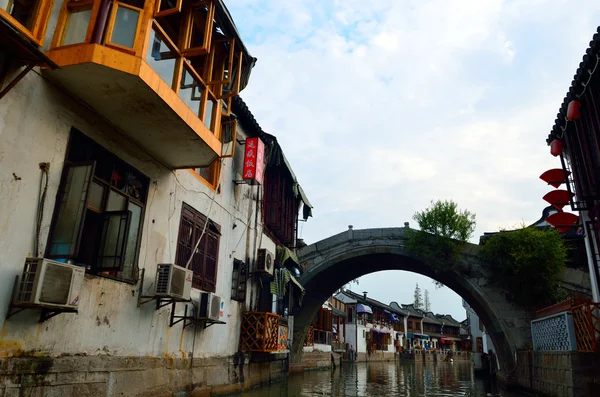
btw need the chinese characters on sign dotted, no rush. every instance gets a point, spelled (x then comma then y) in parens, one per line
(254, 161)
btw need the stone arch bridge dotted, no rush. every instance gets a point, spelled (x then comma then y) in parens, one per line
(331, 263)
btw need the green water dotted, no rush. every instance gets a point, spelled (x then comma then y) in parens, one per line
(385, 379)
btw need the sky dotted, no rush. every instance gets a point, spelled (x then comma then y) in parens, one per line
(382, 106)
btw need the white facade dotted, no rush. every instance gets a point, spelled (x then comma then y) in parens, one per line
(35, 123)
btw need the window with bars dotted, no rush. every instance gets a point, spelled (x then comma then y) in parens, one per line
(98, 217)
(199, 241)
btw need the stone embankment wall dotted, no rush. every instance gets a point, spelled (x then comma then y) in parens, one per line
(107, 376)
(559, 374)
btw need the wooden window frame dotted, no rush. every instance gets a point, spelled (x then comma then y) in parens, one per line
(189, 26)
(238, 79)
(178, 57)
(229, 58)
(233, 137)
(198, 223)
(167, 12)
(65, 16)
(40, 23)
(215, 174)
(111, 25)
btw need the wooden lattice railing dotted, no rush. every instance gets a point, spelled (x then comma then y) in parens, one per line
(586, 319)
(309, 339)
(259, 332)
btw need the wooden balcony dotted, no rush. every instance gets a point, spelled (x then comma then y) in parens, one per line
(260, 332)
(162, 73)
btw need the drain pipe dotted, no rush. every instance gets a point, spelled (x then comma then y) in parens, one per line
(593, 266)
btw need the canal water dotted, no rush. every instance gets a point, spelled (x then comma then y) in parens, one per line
(385, 379)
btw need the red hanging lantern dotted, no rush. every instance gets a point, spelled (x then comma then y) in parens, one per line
(555, 177)
(562, 221)
(573, 110)
(558, 198)
(556, 147)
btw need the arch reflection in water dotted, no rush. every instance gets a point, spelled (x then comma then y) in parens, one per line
(385, 379)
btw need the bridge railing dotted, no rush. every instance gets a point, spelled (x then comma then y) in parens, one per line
(586, 320)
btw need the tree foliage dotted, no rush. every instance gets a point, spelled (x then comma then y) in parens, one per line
(444, 219)
(427, 303)
(527, 262)
(418, 301)
(444, 229)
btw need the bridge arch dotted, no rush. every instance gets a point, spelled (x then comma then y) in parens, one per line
(331, 263)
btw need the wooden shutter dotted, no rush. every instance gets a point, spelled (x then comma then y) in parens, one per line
(113, 241)
(70, 210)
(185, 237)
(205, 259)
(211, 257)
(272, 199)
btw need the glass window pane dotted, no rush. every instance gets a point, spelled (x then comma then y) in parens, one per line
(161, 58)
(132, 240)
(71, 210)
(23, 11)
(116, 202)
(167, 5)
(126, 22)
(208, 115)
(114, 234)
(77, 26)
(96, 196)
(190, 91)
(199, 26)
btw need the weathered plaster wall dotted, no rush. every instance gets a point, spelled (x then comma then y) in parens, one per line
(91, 376)
(559, 374)
(35, 122)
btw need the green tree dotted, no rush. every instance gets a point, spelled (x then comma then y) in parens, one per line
(444, 229)
(427, 304)
(444, 219)
(527, 262)
(418, 301)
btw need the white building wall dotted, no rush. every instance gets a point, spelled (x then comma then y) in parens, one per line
(35, 123)
(361, 340)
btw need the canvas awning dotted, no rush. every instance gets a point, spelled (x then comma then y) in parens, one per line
(422, 336)
(360, 308)
(283, 253)
(281, 278)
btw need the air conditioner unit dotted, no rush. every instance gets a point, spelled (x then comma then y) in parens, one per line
(264, 262)
(173, 281)
(49, 284)
(209, 307)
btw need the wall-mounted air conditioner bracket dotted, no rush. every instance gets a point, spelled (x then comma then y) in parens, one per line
(187, 320)
(160, 301)
(46, 313)
(208, 323)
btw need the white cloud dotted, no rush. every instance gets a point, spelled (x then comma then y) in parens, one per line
(383, 106)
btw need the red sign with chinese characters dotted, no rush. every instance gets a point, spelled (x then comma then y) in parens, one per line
(254, 159)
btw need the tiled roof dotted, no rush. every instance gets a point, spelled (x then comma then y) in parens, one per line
(374, 303)
(581, 77)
